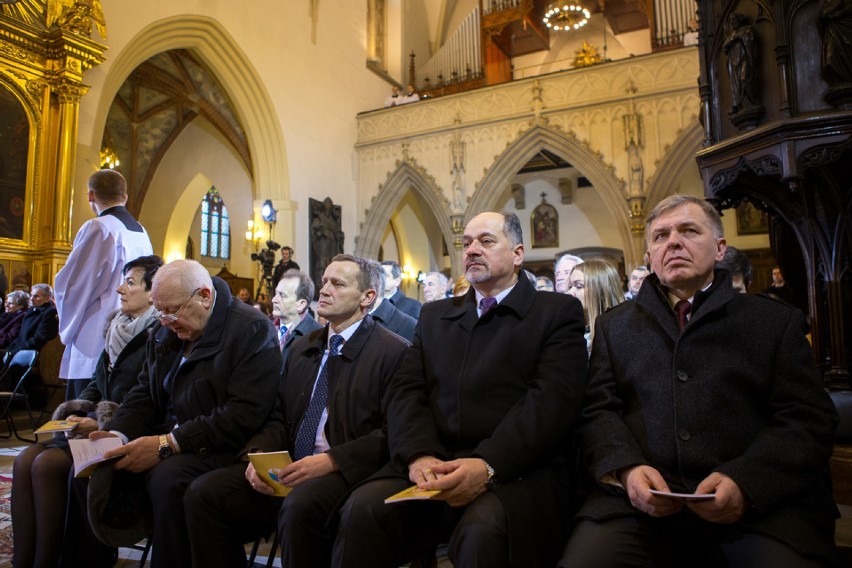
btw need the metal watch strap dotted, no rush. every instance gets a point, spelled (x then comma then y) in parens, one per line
(491, 480)
(165, 450)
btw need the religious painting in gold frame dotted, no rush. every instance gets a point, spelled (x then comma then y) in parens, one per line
(20, 277)
(545, 225)
(14, 155)
(751, 220)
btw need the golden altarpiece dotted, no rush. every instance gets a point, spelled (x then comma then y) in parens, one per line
(45, 48)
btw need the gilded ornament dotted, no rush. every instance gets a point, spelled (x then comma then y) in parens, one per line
(15, 52)
(587, 55)
(77, 16)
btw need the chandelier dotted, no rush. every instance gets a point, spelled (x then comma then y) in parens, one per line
(109, 159)
(566, 16)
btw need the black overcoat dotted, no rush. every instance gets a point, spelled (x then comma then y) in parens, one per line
(507, 388)
(736, 392)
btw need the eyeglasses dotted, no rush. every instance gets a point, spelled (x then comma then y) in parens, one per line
(172, 318)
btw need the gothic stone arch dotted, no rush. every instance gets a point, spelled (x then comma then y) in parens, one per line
(590, 163)
(407, 176)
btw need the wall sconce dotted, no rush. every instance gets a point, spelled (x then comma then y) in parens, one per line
(109, 159)
(254, 234)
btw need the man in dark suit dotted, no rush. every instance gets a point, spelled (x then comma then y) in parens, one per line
(293, 296)
(208, 385)
(333, 449)
(393, 278)
(389, 315)
(40, 323)
(696, 389)
(483, 409)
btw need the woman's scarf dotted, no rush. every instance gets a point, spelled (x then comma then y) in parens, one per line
(123, 328)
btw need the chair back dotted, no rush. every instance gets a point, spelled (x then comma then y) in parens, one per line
(843, 402)
(24, 358)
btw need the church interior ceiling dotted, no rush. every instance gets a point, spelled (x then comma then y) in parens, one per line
(153, 106)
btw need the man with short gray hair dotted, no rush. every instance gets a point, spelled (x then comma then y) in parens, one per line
(330, 417)
(483, 410)
(711, 446)
(434, 287)
(40, 324)
(209, 382)
(562, 271)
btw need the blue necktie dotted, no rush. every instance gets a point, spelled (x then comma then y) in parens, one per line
(308, 429)
(486, 305)
(282, 336)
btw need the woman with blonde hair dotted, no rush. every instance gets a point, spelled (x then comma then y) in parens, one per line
(596, 283)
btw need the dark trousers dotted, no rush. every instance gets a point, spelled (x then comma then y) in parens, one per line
(680, 540)
(80, 546)
(75, 387)
(374, 534)
(223, 512)
(167, 483)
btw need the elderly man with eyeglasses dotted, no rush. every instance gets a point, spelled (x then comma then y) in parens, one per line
(208, 385)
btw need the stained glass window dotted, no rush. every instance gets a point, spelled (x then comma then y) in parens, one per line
(215, 226)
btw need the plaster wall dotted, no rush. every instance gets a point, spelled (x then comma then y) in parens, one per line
(198, 159)
(315, 89)
(584, 106)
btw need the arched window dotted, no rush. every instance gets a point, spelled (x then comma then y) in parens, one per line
(215, 226)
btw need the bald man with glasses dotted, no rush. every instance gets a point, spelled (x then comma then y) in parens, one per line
(208, 385)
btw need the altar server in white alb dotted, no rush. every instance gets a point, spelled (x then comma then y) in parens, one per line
(86, 285)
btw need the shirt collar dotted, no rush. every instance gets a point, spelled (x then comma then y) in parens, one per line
(346, 334)
(499, 297)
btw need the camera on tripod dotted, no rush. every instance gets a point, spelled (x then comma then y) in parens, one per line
(266, 258)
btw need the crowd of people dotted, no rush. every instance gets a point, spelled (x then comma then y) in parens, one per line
(539, 422)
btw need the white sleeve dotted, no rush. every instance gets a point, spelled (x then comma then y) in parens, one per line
(85, 278)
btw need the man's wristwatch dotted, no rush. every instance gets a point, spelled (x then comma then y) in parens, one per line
(491, 482)
(165, 450)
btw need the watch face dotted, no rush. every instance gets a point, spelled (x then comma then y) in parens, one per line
(165, 450)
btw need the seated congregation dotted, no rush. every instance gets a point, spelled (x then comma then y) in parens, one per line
(695, 432)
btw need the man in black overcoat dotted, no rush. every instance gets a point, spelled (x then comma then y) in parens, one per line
(483, 409)
(696, 389)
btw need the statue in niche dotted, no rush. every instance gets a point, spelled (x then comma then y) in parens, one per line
(457, 150)
(741, 49)
(545, 225)
(836, 24)
(636, 179)
(326, 235)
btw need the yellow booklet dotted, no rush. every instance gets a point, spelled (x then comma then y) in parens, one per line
(56, 426)
(412, 494)
(265, 463)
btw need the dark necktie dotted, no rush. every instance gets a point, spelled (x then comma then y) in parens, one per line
(486, 305)
(308, 429)
(682, 309)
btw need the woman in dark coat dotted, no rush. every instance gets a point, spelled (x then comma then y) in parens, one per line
(39, 494)
(17, 303)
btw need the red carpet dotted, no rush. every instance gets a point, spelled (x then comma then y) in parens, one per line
(5, 520)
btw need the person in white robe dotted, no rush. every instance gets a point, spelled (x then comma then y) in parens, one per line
(85, 287)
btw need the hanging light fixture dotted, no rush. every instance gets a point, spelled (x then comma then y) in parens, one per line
(109, 159)
(566, 17)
